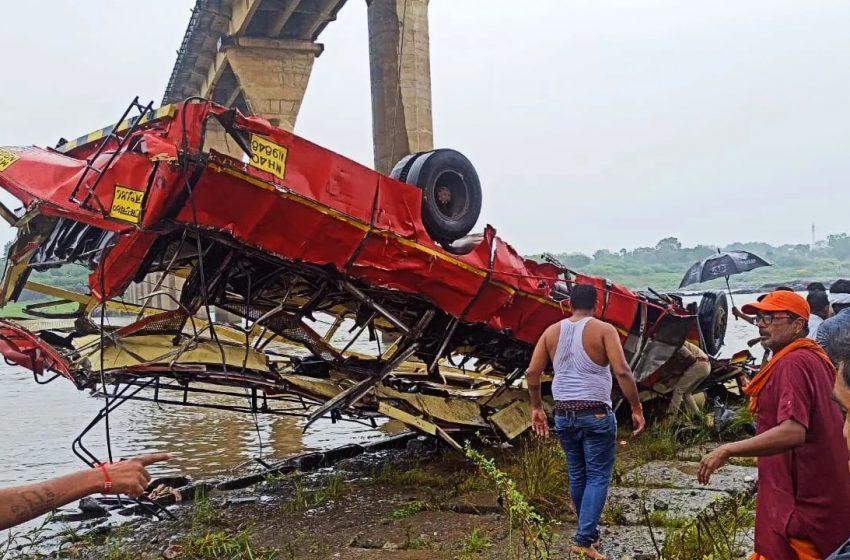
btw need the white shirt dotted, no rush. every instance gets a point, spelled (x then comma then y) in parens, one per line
(814, 323)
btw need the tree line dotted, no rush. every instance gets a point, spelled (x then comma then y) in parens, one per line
(661, 266)
(664, 264)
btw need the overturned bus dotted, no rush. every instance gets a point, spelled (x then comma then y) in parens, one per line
(311, 253)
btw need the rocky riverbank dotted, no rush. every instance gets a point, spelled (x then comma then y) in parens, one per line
(425, 501)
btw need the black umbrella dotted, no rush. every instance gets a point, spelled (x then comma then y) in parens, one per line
(722, 265)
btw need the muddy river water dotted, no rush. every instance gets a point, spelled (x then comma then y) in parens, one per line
(38, 423)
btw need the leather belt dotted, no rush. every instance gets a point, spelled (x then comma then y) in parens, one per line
(586, 412)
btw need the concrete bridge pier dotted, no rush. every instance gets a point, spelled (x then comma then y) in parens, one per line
(400, 68)
(257, 56)
(273, 75)
(266, 77)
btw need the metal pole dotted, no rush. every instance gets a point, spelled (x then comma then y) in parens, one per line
(730, 293)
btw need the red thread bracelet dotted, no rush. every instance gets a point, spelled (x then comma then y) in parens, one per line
(107, 482)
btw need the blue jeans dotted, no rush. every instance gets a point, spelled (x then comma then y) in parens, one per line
(590, 443)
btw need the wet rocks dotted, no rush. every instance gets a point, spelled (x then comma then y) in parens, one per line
(678, 504)
(662, 494)
(479, 502)
(732, 479)
(387, 554)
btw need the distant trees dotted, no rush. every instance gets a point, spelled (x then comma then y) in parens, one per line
(576, 260)
(839, 245)
(71, 277)
(669, 244)
(669, 256)
(602, 254)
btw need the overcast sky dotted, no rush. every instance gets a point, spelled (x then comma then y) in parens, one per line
(592, 123)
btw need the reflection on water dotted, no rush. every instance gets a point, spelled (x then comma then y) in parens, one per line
(38, 423)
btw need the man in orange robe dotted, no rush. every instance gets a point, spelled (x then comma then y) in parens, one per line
(803, 502)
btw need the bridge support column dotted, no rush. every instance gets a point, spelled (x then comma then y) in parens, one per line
(218, 139)
(266, 77)
(271, 77)
(400, 68)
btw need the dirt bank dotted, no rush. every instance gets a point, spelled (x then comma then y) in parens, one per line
(430, 502)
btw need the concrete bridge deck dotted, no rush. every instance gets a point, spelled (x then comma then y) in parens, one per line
(216, 25)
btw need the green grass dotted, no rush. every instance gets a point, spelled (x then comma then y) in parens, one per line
(473, 483)
(475, 543)
(539, 468)
(614, 513)
(115, 551)
(715, 534)
(16, 309)
(659, 518)
(455, 476)
(204, 512)
(274, 478)
(20, 544)
(655, 444)
(305, 498)
(219, 545)
(535, 530)
(664, 440)
(419, 543)
(415, 476)
(409, 510)
(737, 428)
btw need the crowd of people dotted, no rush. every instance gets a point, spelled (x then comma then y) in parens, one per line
(799, 398)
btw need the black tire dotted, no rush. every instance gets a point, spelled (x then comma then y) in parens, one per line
(465, 244)
(451, 191)
(402, 168)
(713, 316)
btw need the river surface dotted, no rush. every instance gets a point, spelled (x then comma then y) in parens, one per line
(38, 423)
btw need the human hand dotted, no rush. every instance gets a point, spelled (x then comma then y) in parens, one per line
(638, 421)
(539, 422)
(711, 462)
(130, 477)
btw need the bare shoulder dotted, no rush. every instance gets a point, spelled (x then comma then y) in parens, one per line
(552, 332)
(601, 327)
(549, 339)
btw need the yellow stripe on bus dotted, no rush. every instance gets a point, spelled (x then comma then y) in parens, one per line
(166, 111)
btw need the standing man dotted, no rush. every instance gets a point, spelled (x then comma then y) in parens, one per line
(819, 305)
(839, 346)
(815, 287)
(740, 315)
(583, 352)
(839, 295)
(803, 505)
(698, 368)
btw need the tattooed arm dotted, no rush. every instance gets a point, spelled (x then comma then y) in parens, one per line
(23, 503)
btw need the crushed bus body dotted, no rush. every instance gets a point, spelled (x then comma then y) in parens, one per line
(301, 244)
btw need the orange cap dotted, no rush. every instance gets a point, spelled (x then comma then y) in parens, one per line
(780, 301)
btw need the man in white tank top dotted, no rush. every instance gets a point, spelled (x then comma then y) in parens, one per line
(583, 352)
